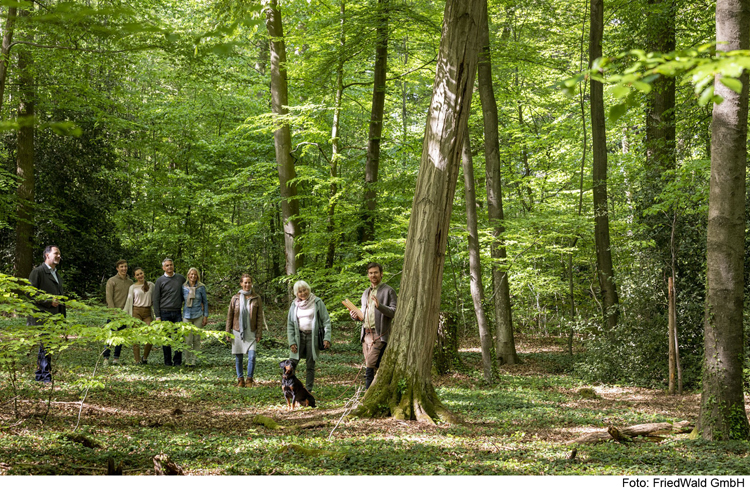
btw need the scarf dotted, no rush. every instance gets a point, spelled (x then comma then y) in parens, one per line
(191, 293)
(244, 313)
(304, 304)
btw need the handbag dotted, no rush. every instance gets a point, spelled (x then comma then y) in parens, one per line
(321, 333)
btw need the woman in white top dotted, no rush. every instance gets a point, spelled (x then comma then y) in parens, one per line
(140, 306)
(307, 317)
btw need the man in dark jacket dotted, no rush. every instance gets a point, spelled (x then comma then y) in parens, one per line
(378, 309)
(167, 300)
(46, 278)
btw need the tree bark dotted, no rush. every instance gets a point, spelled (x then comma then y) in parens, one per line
(404, 381)
(333, 192)
(376, 122)
(660, 125)
(475, 265)
(505, 346)
(25, 166)
(604, 267)
(283, 139)
(722, 414)
(10, 22)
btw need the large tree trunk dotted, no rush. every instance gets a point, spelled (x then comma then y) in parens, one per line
(404, 381)
(25, 167)
(333, 193)
(10, 22)
(604, 267)
(475, 265)
(376, 122)
(283, 139)
(722, 414)
(505, 345)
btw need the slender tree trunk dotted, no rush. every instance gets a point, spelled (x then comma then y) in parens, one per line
(25, 166)
(283, 139)
(604, 267)
(505, 346)
(722, 414)
(335, 134)
(10, 22)
(475, 265)
(404, 381)
(660, 125)
(376, 122)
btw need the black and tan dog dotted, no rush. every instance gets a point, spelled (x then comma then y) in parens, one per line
(294, 392)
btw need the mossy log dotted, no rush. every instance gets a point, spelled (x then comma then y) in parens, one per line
(648, 432)
(266, 422)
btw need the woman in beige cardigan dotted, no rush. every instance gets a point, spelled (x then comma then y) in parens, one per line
(245, 323)
(140, 306)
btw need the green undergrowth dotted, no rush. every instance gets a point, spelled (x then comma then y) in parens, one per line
(519, 425)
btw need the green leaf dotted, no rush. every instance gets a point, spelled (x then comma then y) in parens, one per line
(733, 84)
(706, 96)
(617, 111)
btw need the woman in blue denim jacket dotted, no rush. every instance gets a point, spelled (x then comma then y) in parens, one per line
(195, 311)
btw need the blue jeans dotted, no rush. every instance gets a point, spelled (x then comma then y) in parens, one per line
(250, 364)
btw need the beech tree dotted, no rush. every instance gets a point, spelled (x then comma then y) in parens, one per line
(404, 381)
(599, 143)
(282, 137)
(376, 121)
(505, 346)
(475, 265)
(722, 414)
(25, 162)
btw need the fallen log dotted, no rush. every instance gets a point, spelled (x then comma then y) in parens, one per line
(650, 430)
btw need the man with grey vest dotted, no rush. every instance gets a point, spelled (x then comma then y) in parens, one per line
(167, 300)
(378, 309)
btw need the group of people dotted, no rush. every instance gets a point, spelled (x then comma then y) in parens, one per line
(174, 298)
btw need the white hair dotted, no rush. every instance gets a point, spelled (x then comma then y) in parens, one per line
(165, 261)
(300, 284)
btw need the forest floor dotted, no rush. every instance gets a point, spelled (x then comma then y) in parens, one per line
(521, 425)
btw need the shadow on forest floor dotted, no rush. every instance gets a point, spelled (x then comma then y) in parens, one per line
(519, 425)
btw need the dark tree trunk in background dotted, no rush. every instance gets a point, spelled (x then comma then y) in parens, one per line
(283, 139)
(599, 140)
(24, 255)
(722, 414)
(505, 345)
(376, 122)
(475, 265)
(660, 125)
(10, 22)
(404, 382)
(335, 134)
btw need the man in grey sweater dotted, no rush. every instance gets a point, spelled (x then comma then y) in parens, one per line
(378, 309)
(167, 299)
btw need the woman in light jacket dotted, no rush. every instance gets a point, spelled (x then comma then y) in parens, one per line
(195, 311)
(307, 316)
(245, 323)
(139, 305)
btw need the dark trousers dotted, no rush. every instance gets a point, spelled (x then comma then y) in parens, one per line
(305, 351)
(43, 365)
(118, 348)
(171, 316)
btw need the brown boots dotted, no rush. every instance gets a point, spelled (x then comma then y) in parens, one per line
(242, 382)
